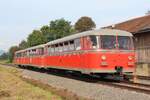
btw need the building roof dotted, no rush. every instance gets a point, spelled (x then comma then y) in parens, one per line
(134, 25)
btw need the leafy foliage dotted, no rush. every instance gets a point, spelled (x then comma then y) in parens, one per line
(60, 28)
(23, 45)
(36, 38)
(47, 34)
(84, 24)
(12, 51)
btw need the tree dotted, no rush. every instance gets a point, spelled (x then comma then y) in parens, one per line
(36, 38)
(23, 44)
(4, 56)
(47, 34)
(12, 51)
(60, 28)
(84, 24)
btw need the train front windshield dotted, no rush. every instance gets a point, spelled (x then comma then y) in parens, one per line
(113, 42)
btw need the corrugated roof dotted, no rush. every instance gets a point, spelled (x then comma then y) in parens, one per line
(134, 25)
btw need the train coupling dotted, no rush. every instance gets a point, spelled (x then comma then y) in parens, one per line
(119, 73)
(119, 70)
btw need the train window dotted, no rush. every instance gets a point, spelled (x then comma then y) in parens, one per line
(28, 53)
(72, 46)
(24, 54)
(60, 47)
(56, 48)
(48, 49)
(52, 50)
(18, 55)
(33, 52)
(21, 54)
(77, 44)
(108, 42)
(66, 46)
(92, 41)
(41, 51)
(125, 42)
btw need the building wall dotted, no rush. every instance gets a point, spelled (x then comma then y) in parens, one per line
(142, 46)
(142, 39)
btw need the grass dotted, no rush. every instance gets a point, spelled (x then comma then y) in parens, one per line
(4, 61)
(12, 87)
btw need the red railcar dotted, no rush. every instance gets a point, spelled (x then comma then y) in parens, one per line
(98, 51)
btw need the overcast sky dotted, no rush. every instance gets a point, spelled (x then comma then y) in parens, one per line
(19, 17)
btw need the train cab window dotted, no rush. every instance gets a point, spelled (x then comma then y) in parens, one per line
(108, 42)
(92, 41)
(77, 44)
(66, 46)
(125, 42)
(71, 45)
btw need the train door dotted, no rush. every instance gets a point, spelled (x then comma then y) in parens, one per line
(89, 43)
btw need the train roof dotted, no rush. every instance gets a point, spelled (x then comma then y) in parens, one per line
(35, 47)
(92, 32)
(78, 35)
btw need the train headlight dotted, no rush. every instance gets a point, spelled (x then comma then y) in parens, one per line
(103, 57)
(130, 58)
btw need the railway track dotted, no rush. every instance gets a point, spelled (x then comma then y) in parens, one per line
(138, 87)
(144, 77)
(139, 77)
(129, 85)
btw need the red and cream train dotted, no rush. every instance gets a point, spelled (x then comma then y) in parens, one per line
(103, 51)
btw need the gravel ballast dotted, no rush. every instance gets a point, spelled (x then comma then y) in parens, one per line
(86, 89)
